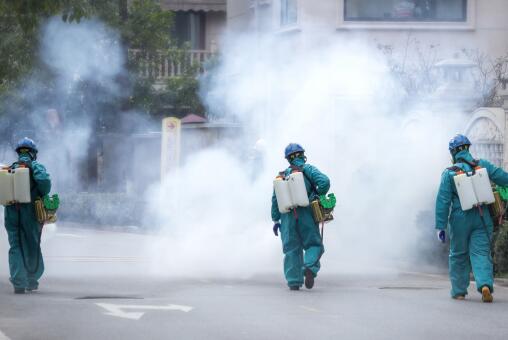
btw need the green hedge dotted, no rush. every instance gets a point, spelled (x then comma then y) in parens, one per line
(501, 250)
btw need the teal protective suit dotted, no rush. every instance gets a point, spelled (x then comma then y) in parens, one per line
(301, 241)
(470, 231)
(24, 231)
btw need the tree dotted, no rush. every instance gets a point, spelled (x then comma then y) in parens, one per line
(491, 75)
(142, 25)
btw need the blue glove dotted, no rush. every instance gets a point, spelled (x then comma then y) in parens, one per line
(441, 235)
(276, 228)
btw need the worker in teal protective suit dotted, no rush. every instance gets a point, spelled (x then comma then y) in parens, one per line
(470, 231)
(301, 241)
(24, 231)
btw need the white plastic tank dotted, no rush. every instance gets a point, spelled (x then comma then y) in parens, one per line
(6, 187)
(465, 190)
(283, 195)
(298, 190)
(22, 185)
(482, 187)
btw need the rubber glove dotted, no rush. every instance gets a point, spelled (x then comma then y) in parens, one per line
(441, 235)
(276, 228)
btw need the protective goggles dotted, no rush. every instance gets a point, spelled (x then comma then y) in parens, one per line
(24, 150)
(460, 148)
(295, 155)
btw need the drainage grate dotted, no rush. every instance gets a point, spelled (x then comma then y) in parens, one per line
(104, 297)
(410, 288)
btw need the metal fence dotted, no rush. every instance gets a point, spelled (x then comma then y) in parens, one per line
(164, 65)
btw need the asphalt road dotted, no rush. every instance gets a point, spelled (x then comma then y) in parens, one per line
(82, 297)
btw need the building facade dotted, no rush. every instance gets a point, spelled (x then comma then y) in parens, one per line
(198, 22)
(450, 24)
(198, 28)
(461, 33)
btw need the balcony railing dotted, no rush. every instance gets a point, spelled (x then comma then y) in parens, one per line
(166, 65)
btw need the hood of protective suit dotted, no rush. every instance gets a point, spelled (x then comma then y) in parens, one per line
(25, 158)
(299, 162)
(464, 154)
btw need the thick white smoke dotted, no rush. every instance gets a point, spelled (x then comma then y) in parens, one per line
(338, 99)
(88, 50)
(82, 63)
(84, 57)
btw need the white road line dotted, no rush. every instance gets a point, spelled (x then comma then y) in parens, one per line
(434, 276)
(3, 336)
(310, 309)
(120, 310)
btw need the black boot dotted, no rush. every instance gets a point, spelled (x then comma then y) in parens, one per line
(309, 278)
(19, 290)
(294, 288)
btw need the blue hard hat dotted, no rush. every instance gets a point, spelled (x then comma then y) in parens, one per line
(26, 143)
(457, 142)
(293, 148)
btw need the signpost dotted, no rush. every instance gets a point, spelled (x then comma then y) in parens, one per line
(170, 147)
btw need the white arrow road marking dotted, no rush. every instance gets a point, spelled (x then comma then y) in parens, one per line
(119, 310)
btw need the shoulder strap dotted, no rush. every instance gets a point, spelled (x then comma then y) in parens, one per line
(454, 168)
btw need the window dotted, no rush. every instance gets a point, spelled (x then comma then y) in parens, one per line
(406, 10)
(288, 12)
(190, 28)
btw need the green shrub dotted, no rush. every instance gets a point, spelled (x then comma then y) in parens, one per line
(501, 250)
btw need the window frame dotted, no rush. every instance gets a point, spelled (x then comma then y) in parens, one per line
(468, 24)
(288, 25)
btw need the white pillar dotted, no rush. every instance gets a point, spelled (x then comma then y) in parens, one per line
(505, 138)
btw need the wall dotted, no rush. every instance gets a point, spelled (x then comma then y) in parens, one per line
(486, 29)
(239, 15)
(215, 25)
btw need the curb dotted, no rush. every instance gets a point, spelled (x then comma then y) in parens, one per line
(501, 282)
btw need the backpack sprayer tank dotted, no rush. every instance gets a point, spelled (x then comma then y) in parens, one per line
(284, 201)
(291, 192)
(22, 185)
(6, 187)
(474, 190)
(15, 186)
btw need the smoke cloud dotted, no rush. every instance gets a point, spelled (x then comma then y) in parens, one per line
(75, 80)
(336, 97)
